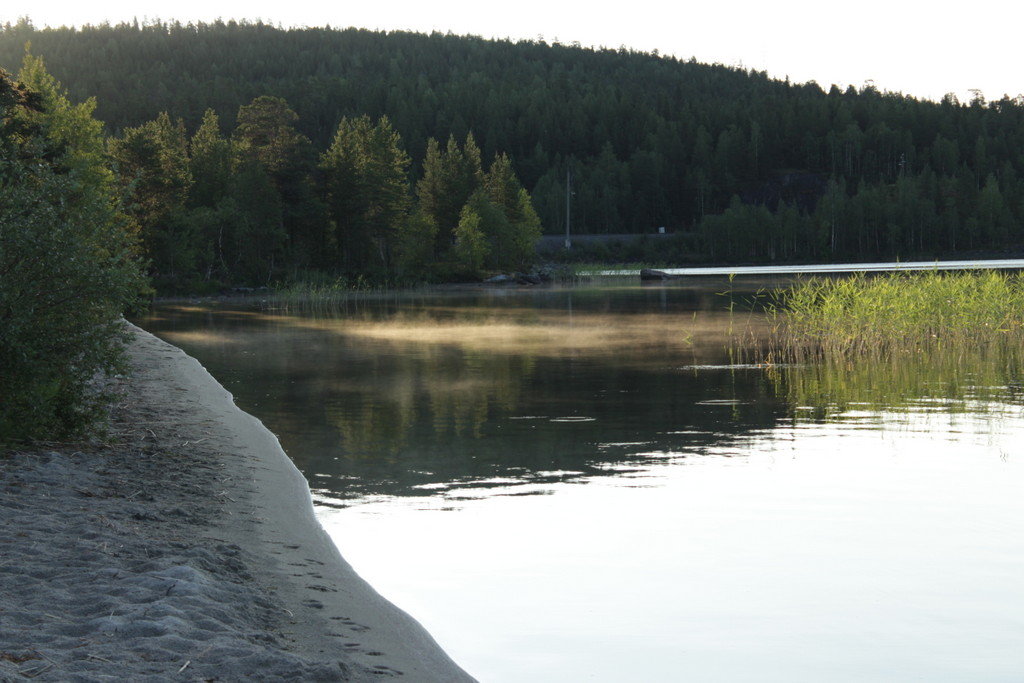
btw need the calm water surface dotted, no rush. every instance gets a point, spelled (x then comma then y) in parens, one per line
(585, 484)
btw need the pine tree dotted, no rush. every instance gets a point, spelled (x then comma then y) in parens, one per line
(449, 179)
(69, 127)
(210, 161)
(365, 178)
(255, 214)
(152, 162)
(512, 240)
(470, 248)
(502, 185)
(267, 136)
(414, 248)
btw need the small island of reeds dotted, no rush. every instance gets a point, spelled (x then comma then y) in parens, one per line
(895, 339)
(902, 312)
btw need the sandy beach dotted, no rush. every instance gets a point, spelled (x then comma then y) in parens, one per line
(184, 547)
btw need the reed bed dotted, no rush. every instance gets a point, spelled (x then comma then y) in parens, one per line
(331, 297)
(901, 312)
(895, 340)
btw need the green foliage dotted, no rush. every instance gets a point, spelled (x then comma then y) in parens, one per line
(253, 214)
(503, 186)
(653, 141)
(211, 161)
(266, 133)
(897, 340)
(267, 137)
(69, 128)
(933, 340)
(152, 163)
(364, 174)
(527, 230)
(414, 250)
(449, 179)
(494, 227)
(497, 226)
(897, 313)
(739, 166)
(470, 249)
(513, 241)
(215, 211)
(932, 381)
(509, 234)
(68, 263)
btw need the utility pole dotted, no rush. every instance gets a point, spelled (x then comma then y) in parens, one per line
(568, 201)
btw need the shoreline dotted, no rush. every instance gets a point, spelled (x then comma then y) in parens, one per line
(186, 547)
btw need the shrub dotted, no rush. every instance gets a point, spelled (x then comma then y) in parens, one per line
(68, 270)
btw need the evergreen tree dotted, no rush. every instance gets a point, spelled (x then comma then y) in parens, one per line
(211, 162)
(503, 186)
(414, 248)
(152, 161)
(211, 156)
(652, 141)
(255, 216)
(70, 128)
(470, 249)
(365, 178)
(513, 238)
(266, 135)
(449, 179)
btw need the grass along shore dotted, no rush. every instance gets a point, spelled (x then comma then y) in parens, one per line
(947, 339)
(900, 312)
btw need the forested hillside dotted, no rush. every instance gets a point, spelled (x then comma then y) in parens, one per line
(740, 165)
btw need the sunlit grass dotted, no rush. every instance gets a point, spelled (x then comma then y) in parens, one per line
(898, 313)
(896, 340)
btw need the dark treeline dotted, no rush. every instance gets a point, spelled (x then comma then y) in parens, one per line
(742, 166)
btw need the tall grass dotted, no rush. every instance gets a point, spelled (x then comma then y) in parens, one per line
(327, 296)
(896, 339)
(900, 312)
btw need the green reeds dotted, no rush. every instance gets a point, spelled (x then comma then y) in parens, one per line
(898, 313)
(329, 297)
(894, 340)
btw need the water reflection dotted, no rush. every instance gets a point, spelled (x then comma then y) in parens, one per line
(435, 397)
(982, 381)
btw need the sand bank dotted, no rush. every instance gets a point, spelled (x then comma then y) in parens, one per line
(185, 548)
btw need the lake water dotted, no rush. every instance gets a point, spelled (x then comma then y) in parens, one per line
(587, 484)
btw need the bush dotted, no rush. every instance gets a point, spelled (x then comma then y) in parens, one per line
(68, 270)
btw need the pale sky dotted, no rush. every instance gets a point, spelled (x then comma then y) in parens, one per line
(921, 49)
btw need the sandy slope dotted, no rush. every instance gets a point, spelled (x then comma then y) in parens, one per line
(186, 549)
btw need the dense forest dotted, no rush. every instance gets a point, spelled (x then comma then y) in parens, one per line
(261, 206)
(738, 165)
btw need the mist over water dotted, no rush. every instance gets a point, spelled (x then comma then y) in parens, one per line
(592, 483)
